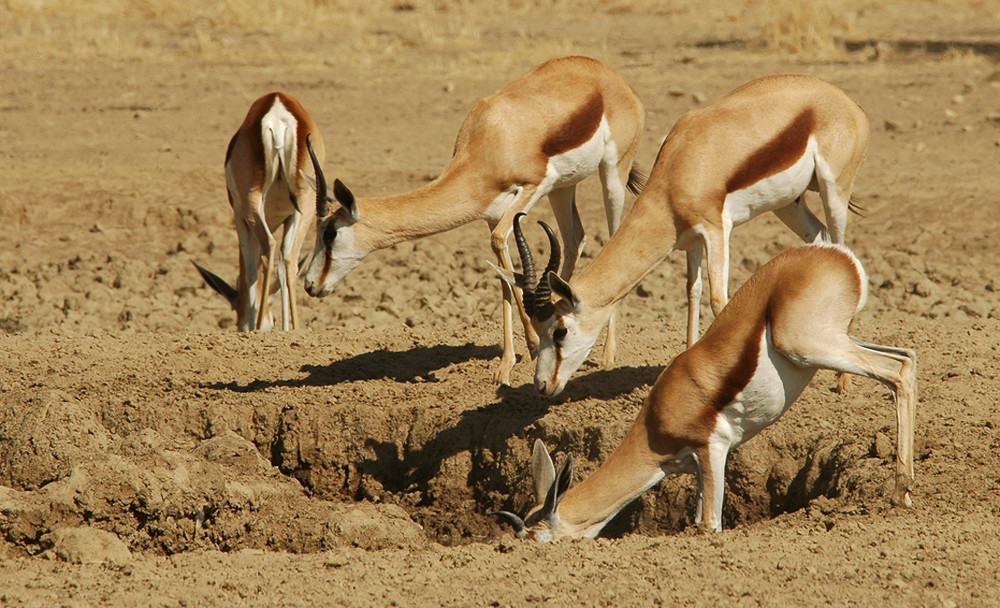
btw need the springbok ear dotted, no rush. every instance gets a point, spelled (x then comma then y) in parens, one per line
(309, 179)
(542, 471)
(559, 488)
(514, 279)
(215, 282)
(304, 265)
(345, 197)
(312, 184)
(562, 289)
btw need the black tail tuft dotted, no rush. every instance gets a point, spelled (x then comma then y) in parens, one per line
(636, 180)
(215, 282)
(855, 207)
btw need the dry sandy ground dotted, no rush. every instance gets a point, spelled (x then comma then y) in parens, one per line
(150, 455)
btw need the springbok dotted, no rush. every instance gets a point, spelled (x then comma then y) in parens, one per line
(267, 175)
(757, 149)
(540, 135)
(789, 319)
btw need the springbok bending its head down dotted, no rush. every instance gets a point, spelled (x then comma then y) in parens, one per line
(268, 177)
(540, 135)
(789, 319)
(757, 149)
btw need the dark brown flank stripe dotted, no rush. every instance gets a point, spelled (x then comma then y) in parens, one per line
(735, 380)
(746, 364)
(256, 140)
(580, 127)
(685, 382)
(776, 155)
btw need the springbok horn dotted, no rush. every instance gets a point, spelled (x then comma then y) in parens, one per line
(528, 265)
(543, 294)
(322, 206)
(515, 521)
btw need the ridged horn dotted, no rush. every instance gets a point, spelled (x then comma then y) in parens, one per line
(528, 265)
(543, 293)
(322, 205)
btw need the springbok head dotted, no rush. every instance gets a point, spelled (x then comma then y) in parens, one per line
(564, 343)
(542, 523)
(336, 252)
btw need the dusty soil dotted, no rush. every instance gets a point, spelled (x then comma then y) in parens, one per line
(150, 455)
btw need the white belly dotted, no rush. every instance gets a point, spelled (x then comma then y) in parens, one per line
(772, 192)
(775, 385)
(572, 166)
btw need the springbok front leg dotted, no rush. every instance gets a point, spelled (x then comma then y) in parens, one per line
(512, 296)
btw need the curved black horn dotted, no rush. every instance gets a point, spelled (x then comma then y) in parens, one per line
(543, 294)
(515, 521)
(322, 206)
(528, 265)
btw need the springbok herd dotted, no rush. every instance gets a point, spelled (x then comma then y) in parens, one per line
(757, 149)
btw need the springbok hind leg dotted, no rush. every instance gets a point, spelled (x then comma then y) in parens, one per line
(897, 369)
(894, 367)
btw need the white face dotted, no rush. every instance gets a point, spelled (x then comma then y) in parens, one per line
(544, 530)
(564, 345)
(335, 256)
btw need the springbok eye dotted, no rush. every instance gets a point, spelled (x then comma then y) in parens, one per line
(558, 334)
(329, 234)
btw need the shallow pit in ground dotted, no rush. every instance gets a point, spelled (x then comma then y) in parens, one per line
(447, 471)
(172, 446)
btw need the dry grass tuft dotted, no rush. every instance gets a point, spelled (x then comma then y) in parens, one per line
(812, 29)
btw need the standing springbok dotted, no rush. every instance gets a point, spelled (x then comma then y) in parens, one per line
(540, 135)
(789, 319)
(267, 170)
(757, 149)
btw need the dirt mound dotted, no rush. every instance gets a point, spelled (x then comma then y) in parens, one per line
(220, 493)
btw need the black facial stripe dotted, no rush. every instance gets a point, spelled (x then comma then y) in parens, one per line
(329, 234)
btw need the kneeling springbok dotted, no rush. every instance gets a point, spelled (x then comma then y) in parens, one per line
(267, 171)
(789, 319)
(757, 149)
(540, 135)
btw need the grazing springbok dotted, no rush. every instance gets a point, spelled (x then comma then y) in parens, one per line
(757, 149)
(267, 171)
(540, 135)
(789, 319)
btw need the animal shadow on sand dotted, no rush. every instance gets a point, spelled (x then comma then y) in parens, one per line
(490, 427)
(414, 365)
(512, 414)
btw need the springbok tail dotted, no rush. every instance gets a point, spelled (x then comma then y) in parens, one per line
(855, 207)
(636, 180)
